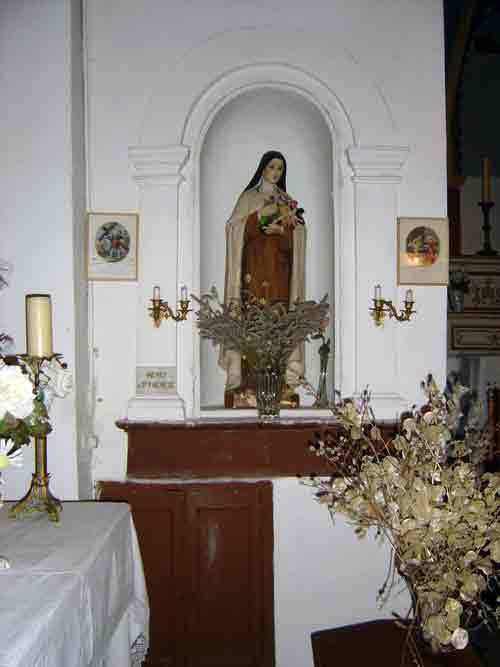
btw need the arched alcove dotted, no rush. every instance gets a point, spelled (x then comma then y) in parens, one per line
(362, 197)
(257, 120)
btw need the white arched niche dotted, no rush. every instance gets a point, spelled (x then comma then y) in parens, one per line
(255, 121)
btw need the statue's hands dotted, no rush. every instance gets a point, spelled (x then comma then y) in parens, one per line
(274, 228)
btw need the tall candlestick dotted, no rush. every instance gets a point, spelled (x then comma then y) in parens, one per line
(486, 180)
(378, 293)
(156, 293)
(38, 325)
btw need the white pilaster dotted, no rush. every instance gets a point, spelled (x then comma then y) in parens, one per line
(376, 175)
(157, 172)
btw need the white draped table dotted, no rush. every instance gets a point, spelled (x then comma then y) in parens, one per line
(75, 594)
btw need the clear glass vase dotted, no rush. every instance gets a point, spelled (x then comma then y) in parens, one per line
(269, 383)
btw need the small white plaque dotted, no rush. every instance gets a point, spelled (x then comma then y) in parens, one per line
(155, 380)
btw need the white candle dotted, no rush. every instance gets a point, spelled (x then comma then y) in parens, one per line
(156, 293)
(409, 296)
(486, 180)
(38, 325)
(378, 293)
(184, 293)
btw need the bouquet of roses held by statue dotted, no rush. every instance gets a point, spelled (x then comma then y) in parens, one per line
(421, 492)
(288, 214)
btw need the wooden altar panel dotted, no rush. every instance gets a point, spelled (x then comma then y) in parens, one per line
(159, 518)
(230, 617)
(207, 550)
(233, 448)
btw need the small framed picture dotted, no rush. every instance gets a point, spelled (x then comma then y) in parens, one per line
(112, 246)
(423, 251)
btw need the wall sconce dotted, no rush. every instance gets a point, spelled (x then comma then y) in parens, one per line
(382, 307)
(160, 310)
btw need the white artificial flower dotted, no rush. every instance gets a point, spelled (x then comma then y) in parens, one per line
(56, 381)
(429, 417)
(16, 392)
(460, 638)
(7, 458)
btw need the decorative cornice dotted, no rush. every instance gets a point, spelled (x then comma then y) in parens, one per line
(377, 163)
(158, 166)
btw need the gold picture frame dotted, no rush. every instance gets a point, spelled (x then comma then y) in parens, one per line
(423, 251)
(112, 246)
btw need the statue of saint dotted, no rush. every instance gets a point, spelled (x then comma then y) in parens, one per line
(265, 258)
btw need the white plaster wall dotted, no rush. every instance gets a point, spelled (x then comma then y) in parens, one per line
(148, 67)
(325, 576)
(242, 131)
(36, 203)
(84, 425)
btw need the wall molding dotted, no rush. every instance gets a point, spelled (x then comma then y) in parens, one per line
(157, 166)
(372, 164)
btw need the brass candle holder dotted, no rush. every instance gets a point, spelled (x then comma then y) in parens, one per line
(39, 497)
(160, 310)
(486, 250)
(383, 308)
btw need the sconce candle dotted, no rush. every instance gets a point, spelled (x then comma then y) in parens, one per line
(409, 296)
(38, 325)
(486, 180)
(160, 310)
(383, 307)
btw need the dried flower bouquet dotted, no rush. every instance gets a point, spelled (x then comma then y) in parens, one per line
(421, 492)
(265, 334)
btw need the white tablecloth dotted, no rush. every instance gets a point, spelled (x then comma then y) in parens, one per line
(75, 594)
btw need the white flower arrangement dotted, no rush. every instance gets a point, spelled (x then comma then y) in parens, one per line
(26, 396)
(10, 456)
(55, 381)
(16, 392)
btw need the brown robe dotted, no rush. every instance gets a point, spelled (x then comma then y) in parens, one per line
(268, 260)
(266, 272)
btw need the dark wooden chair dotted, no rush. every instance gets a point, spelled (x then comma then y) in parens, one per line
(377, 644)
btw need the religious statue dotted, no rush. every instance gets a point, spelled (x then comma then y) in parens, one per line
(265, 259)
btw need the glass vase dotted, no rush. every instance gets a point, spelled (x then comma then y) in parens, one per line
(322, 393)
(269, 382)
(418, 648)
